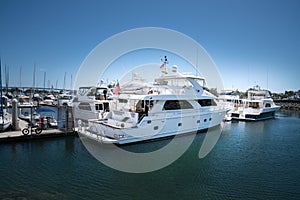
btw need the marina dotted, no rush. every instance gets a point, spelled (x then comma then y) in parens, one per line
(47, 148)
(52, 122)
(150, 100)
(137, 111)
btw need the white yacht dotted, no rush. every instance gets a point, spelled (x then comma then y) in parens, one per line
(49, 100)
(63, 100)
(175, 104)
(4, 121)
(4, 124)
(91, 103)
(28, 113)
(27, 110)
(24, 100)
(229, 98)
(258, 106)
(47, 117)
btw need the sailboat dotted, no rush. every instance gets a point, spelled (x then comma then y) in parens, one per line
(4, 122)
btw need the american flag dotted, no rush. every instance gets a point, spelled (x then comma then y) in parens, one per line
(117, 89)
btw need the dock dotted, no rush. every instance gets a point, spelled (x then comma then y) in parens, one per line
(66, 129)
(13, 136)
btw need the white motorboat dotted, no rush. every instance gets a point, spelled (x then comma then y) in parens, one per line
(47, 117)
(27, 110)
(91, 103)
(49, 100)
(229, 98)
(28, 113)
(63, 100)
(258, 106)
(4, 122)
(175, 104)
(24, 100)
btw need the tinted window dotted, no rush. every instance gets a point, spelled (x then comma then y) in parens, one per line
(84, 106)
(207, 102)
(123, 100)
(98, 107)
(177, 105)
(268, 105)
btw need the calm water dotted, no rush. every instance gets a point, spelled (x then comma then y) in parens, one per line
(253, 160)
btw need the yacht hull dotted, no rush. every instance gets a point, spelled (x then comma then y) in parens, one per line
(254, 115)
(152, 128)
(4, 125)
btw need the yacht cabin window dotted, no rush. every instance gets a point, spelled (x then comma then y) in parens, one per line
(143, 105)
(177, 105)
(99, 107)
(268, 105)
(254, 104)
(207, 102)
(84, 106)
(123, 100)
(175, 83)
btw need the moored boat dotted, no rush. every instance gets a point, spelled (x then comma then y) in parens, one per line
(175, 104)
(229, 98)
(258, 106)
(91, 103)
(4, 122)
(63, 100)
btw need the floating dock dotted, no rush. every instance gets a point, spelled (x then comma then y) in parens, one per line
(66, 129)
(12, 136)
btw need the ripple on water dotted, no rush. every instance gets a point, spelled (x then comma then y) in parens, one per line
(251, 160)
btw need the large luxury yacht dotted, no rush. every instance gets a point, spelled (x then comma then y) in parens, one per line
(174, 104)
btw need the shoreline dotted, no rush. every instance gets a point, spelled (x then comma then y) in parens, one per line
(288, 104)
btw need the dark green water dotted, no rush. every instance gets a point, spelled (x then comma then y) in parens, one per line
(252, 160)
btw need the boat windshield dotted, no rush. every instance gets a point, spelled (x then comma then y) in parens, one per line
(201, 82)
(65, 97)
(93, 91)
(83, 90)
(176, 83)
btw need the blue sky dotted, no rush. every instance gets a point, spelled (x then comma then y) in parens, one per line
(249, 40)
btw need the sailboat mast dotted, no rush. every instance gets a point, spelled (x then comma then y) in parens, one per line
(33, 86)
(64, 88)
(2, 114)
(6, 78)
(44, 80)
(71, 86)
(20, 76)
